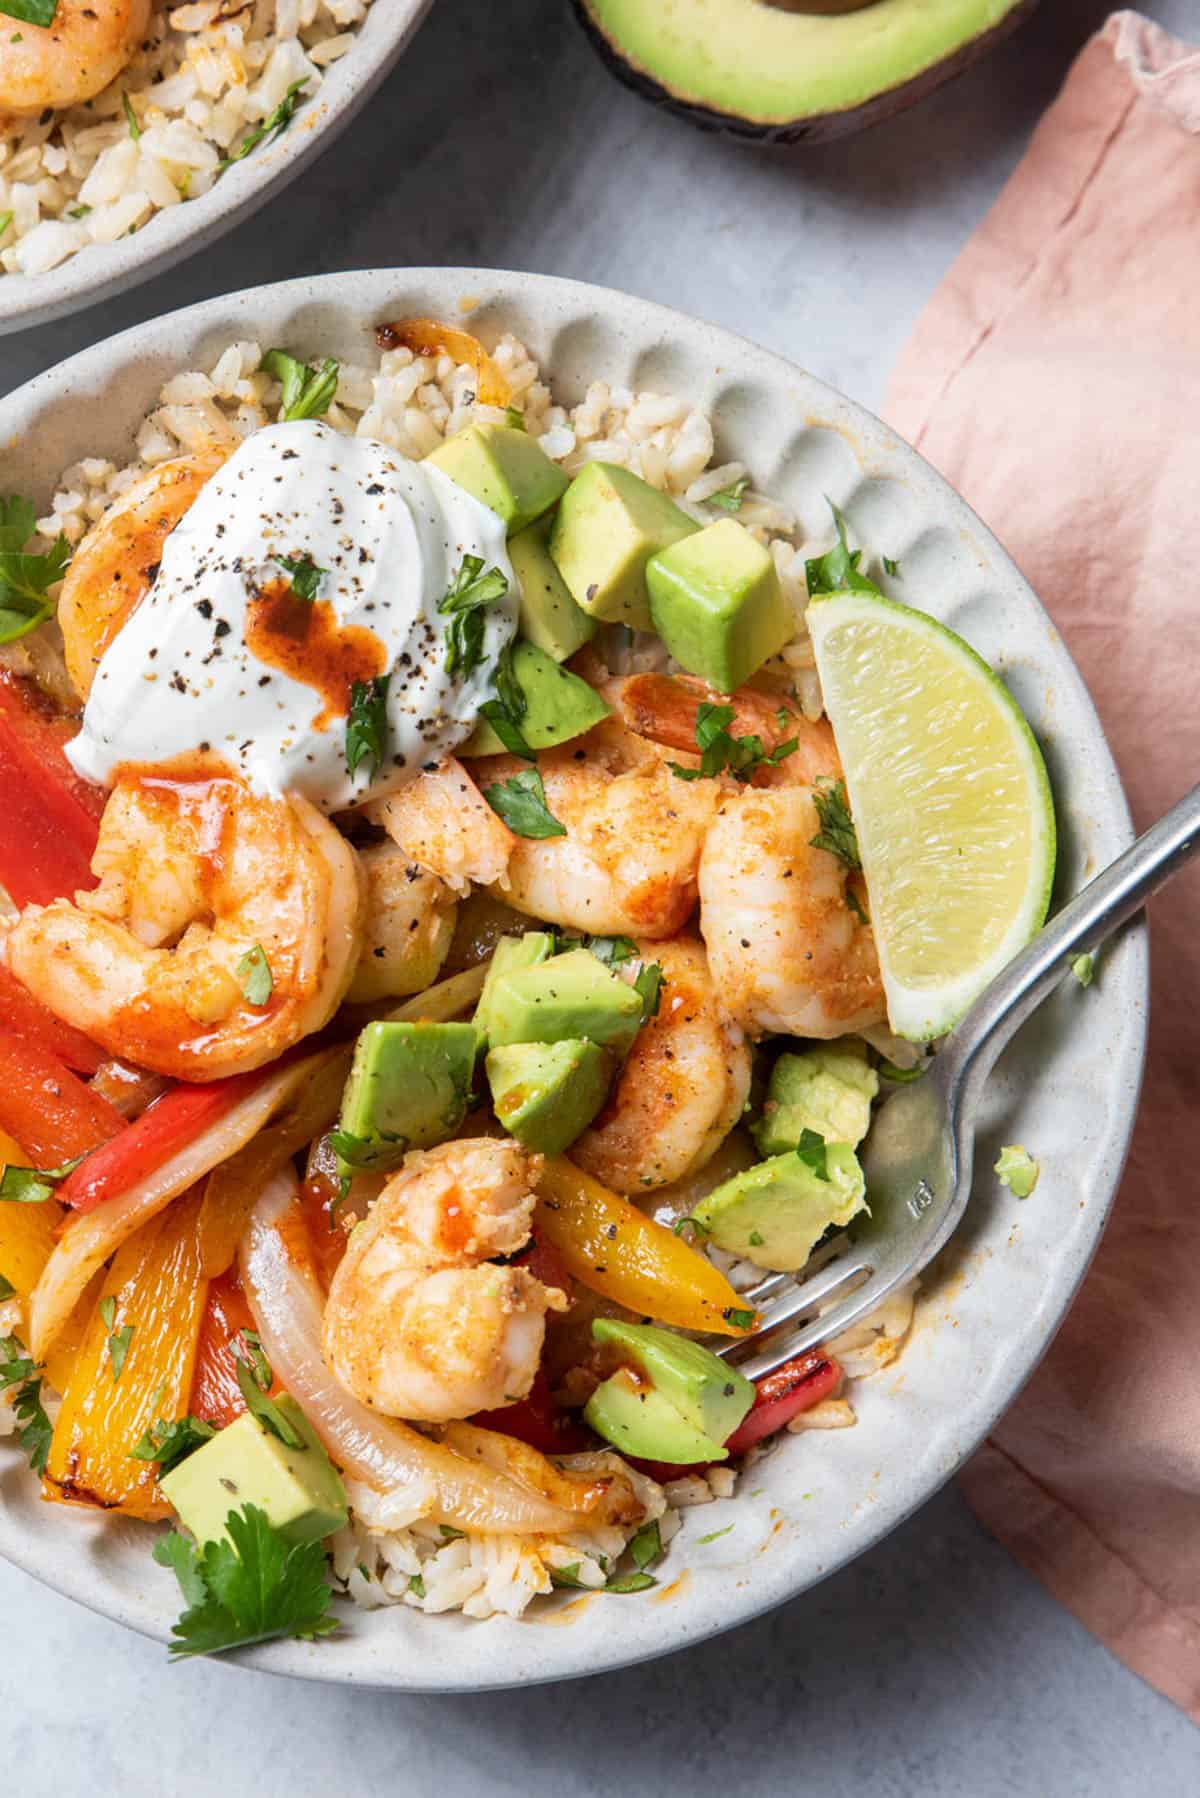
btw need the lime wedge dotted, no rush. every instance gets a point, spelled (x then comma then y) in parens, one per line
(950, 800)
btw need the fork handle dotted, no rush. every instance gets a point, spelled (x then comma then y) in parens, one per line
(1082, 925)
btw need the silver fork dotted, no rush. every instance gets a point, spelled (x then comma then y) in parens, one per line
(918, 1156)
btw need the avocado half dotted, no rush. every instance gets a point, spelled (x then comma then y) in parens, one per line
(801, 70)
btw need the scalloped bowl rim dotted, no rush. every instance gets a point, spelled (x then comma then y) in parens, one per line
(104, 270)
(998, 1296)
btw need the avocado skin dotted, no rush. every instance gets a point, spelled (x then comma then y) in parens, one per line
(818, 128)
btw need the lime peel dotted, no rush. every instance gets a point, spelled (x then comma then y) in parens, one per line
(950, 798)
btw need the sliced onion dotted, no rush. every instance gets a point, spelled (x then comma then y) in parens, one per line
(90, 1239)
(423, 1478)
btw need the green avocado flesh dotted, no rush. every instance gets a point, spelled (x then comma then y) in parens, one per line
(609, 524)
(559, 705)
(300, 1489)
(547, 615)
(777, 1211)
(571, 995)
(827, 1089)
(545, 1094)
(672, 1400)
(510, 954)
(780, 71)
(717, 603)
(408, 1089)
(504, 469)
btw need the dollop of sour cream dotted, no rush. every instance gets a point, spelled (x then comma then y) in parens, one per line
(224, 653)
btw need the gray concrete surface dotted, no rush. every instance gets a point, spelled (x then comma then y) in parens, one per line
(933, 1665)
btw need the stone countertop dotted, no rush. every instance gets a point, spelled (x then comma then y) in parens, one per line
(932, 1664)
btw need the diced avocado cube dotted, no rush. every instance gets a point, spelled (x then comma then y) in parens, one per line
(409, 1087)
(608, 526)
(827, 1089)
(776, 1212)
(570, 996)
(510, 954)
(546, 1093)
(718, 605)
(547, 614)
(638, 1420)
(300, 1489)
(707, 1393)
(503, 468)
(558, 705)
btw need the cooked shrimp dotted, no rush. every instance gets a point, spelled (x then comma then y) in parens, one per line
(409, 927)
(419, 1322)
(195, 876)
(664, 708)
(87, 46)
(786, 950)
(634, 831)
(683, 1086)
(115, 565)
(443, 823)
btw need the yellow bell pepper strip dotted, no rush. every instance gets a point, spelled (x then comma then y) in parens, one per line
(27, 1235)
(135, 1366)
(615, 1249)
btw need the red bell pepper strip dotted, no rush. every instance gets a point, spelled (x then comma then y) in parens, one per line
(162, 1130)
(546, 1264)
(538, 1421)
(49, 1110)
(782, 1395)
(50, 817)
(28, 1017)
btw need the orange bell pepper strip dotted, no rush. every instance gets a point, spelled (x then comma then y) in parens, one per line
(158, 1292)
(216, 1395)
(610, 1246)
(28, 1017)
(431, 337)
(49, 1110)
(50, 817)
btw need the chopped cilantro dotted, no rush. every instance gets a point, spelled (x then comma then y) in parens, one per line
(856, 905)
(695, 1224)
(367, 725)
(19, 1370)
(7, 1289)
(730, 498)
(305, 575)
(307, 392)
(890, 566)
(741, 1320)
(269, 128)
(837, 569)
(1016, 1169)
(515, 418)
(1084, 969)
(837, 833)
(265, 1409)
(448, 1533)
(416, 1586)
(714, 1535)
(630, 1582)
(118, 1348)
(646, 1547)
(567, 1576)
(254, 972)
(755, 1239)
(721, 753)
(251, 1585)
(31, 12)
(465, 602)
(366, 1153)
(25, 579)
(649, 985)
(521, 802)
(135, 130)
(613, 951)
(31, 1185)
(171, 1440)
(6, 218)
(812, 1151)
(257, 1361)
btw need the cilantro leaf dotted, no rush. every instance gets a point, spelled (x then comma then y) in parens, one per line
(131, 118)
(730, 498)
(253, 1586)
(837, 569)
(1016, 1169)
(514, 418)
(521, 802)
(25, 579)
(837, 833)
(1084, 969)
(270, 128)
(255, 1359)
(721, 753)
(178, 1552)
(630, 1582)
(31, 1185)
(118, 1348)
(500, 719)
(464, 602)
(6, 218)
(890, 566)
(254, 972)
(646, 1547)
(416, 1586)
(649, 985)
(695, 1224)
(714, 1535)
(307, 392)
(367, 725)
(812, 1151)
(305, 575)
(171, 1440)
(30, 12)
(368, 1153)
(567, 1577)
(264, 1409)
(20, 1370)
(741, 1320)
(7, 1289)
(613, 951)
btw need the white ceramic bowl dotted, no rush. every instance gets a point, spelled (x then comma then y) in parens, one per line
(1067, 1088)
(103, 270)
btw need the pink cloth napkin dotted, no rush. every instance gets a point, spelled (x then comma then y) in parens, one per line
(1055, 380)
